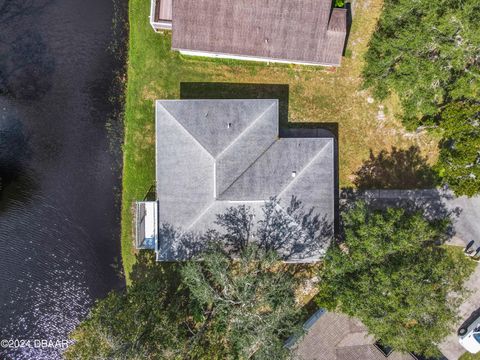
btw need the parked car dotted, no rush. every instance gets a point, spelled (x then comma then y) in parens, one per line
(469, 337)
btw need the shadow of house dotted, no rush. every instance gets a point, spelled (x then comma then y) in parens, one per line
(222, 90)
(227, 151)
(348, 7)
(397, 169)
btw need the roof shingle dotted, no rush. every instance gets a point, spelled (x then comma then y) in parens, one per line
(214, 154)
(289, 30)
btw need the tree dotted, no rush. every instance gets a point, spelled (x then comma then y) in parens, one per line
(247, 307)
(391, 272)
(427, 52)
(237, 303)
(146, 322)
(459, 160)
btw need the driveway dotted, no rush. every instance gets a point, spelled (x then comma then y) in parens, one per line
(465, 213)
(468, 311)
(467, 223)
(467, 228)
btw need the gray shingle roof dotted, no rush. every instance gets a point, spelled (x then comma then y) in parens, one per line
(214, 154)
(293, 30)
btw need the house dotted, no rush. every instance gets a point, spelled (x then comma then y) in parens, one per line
(215, 154)
(334, 336)
(308, 32)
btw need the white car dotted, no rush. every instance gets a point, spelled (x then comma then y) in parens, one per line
(469, 337)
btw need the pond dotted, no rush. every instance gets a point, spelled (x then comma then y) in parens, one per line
(60, 166)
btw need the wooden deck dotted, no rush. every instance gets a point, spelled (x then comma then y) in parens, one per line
(163, 10)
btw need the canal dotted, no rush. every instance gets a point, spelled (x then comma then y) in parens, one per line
(60, 165)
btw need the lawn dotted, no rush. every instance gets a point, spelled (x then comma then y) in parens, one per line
(468, 356)
(314, 94)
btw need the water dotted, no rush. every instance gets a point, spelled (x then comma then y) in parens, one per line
(60, 168)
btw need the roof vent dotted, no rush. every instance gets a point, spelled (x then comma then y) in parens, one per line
(229, 125)
(294, 173)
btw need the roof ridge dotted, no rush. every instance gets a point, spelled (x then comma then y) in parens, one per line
(158, 102)
(248, 167)
(302, 171)
(246, 129)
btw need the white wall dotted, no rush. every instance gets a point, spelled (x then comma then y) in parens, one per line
(248, 58)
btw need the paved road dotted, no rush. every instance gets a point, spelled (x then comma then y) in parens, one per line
(467, 224)
(465, 213)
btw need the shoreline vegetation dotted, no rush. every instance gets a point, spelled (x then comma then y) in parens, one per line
(315, 94)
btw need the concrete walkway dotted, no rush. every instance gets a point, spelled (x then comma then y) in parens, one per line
(465, 213)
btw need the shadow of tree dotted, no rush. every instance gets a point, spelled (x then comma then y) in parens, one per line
(293, 232)
(17, 183)
(176, 245)
(397, 169)
(431, 203)
(146, 267)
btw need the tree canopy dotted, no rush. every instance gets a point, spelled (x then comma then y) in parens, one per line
(247, 307)
(146, 322)
(233, 300)
(391, 273)
(215, 308)
(427, 52)
(459, 160)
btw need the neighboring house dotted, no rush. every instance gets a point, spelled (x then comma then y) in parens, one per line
(307, 32)
(161, 14)
(215, 154)
(333, 336)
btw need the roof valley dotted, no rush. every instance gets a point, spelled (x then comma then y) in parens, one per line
(248, 167)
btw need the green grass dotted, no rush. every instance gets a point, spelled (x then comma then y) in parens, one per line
(314, 94)
(468, 356)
